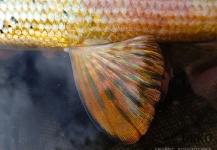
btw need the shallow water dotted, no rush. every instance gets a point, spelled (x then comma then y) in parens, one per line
(40, 108)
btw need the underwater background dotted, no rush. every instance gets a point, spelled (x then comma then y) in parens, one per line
(40, 108)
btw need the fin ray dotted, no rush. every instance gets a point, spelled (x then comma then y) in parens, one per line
(120, 84)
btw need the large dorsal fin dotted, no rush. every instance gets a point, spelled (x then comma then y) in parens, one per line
(120, 84)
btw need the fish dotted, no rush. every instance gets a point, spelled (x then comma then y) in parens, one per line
(118, 65)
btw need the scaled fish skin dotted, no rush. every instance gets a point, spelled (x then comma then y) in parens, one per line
(118, 65)
(64, 23)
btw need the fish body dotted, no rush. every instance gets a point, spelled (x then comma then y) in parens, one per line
(65, 23)
(117, 64)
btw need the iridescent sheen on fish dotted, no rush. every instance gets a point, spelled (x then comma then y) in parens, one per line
(117, 64)
(64, 23)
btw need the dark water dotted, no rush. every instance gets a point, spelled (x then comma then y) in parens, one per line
(40, 108)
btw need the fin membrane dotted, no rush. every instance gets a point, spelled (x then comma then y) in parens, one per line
(119, 84)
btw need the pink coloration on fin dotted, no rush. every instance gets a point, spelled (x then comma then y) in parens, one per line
(202, 75)
(6, 54)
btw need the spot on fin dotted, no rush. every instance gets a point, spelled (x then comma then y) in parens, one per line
(119, 84)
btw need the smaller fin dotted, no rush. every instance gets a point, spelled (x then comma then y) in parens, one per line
(7, 54)
(120, 84)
